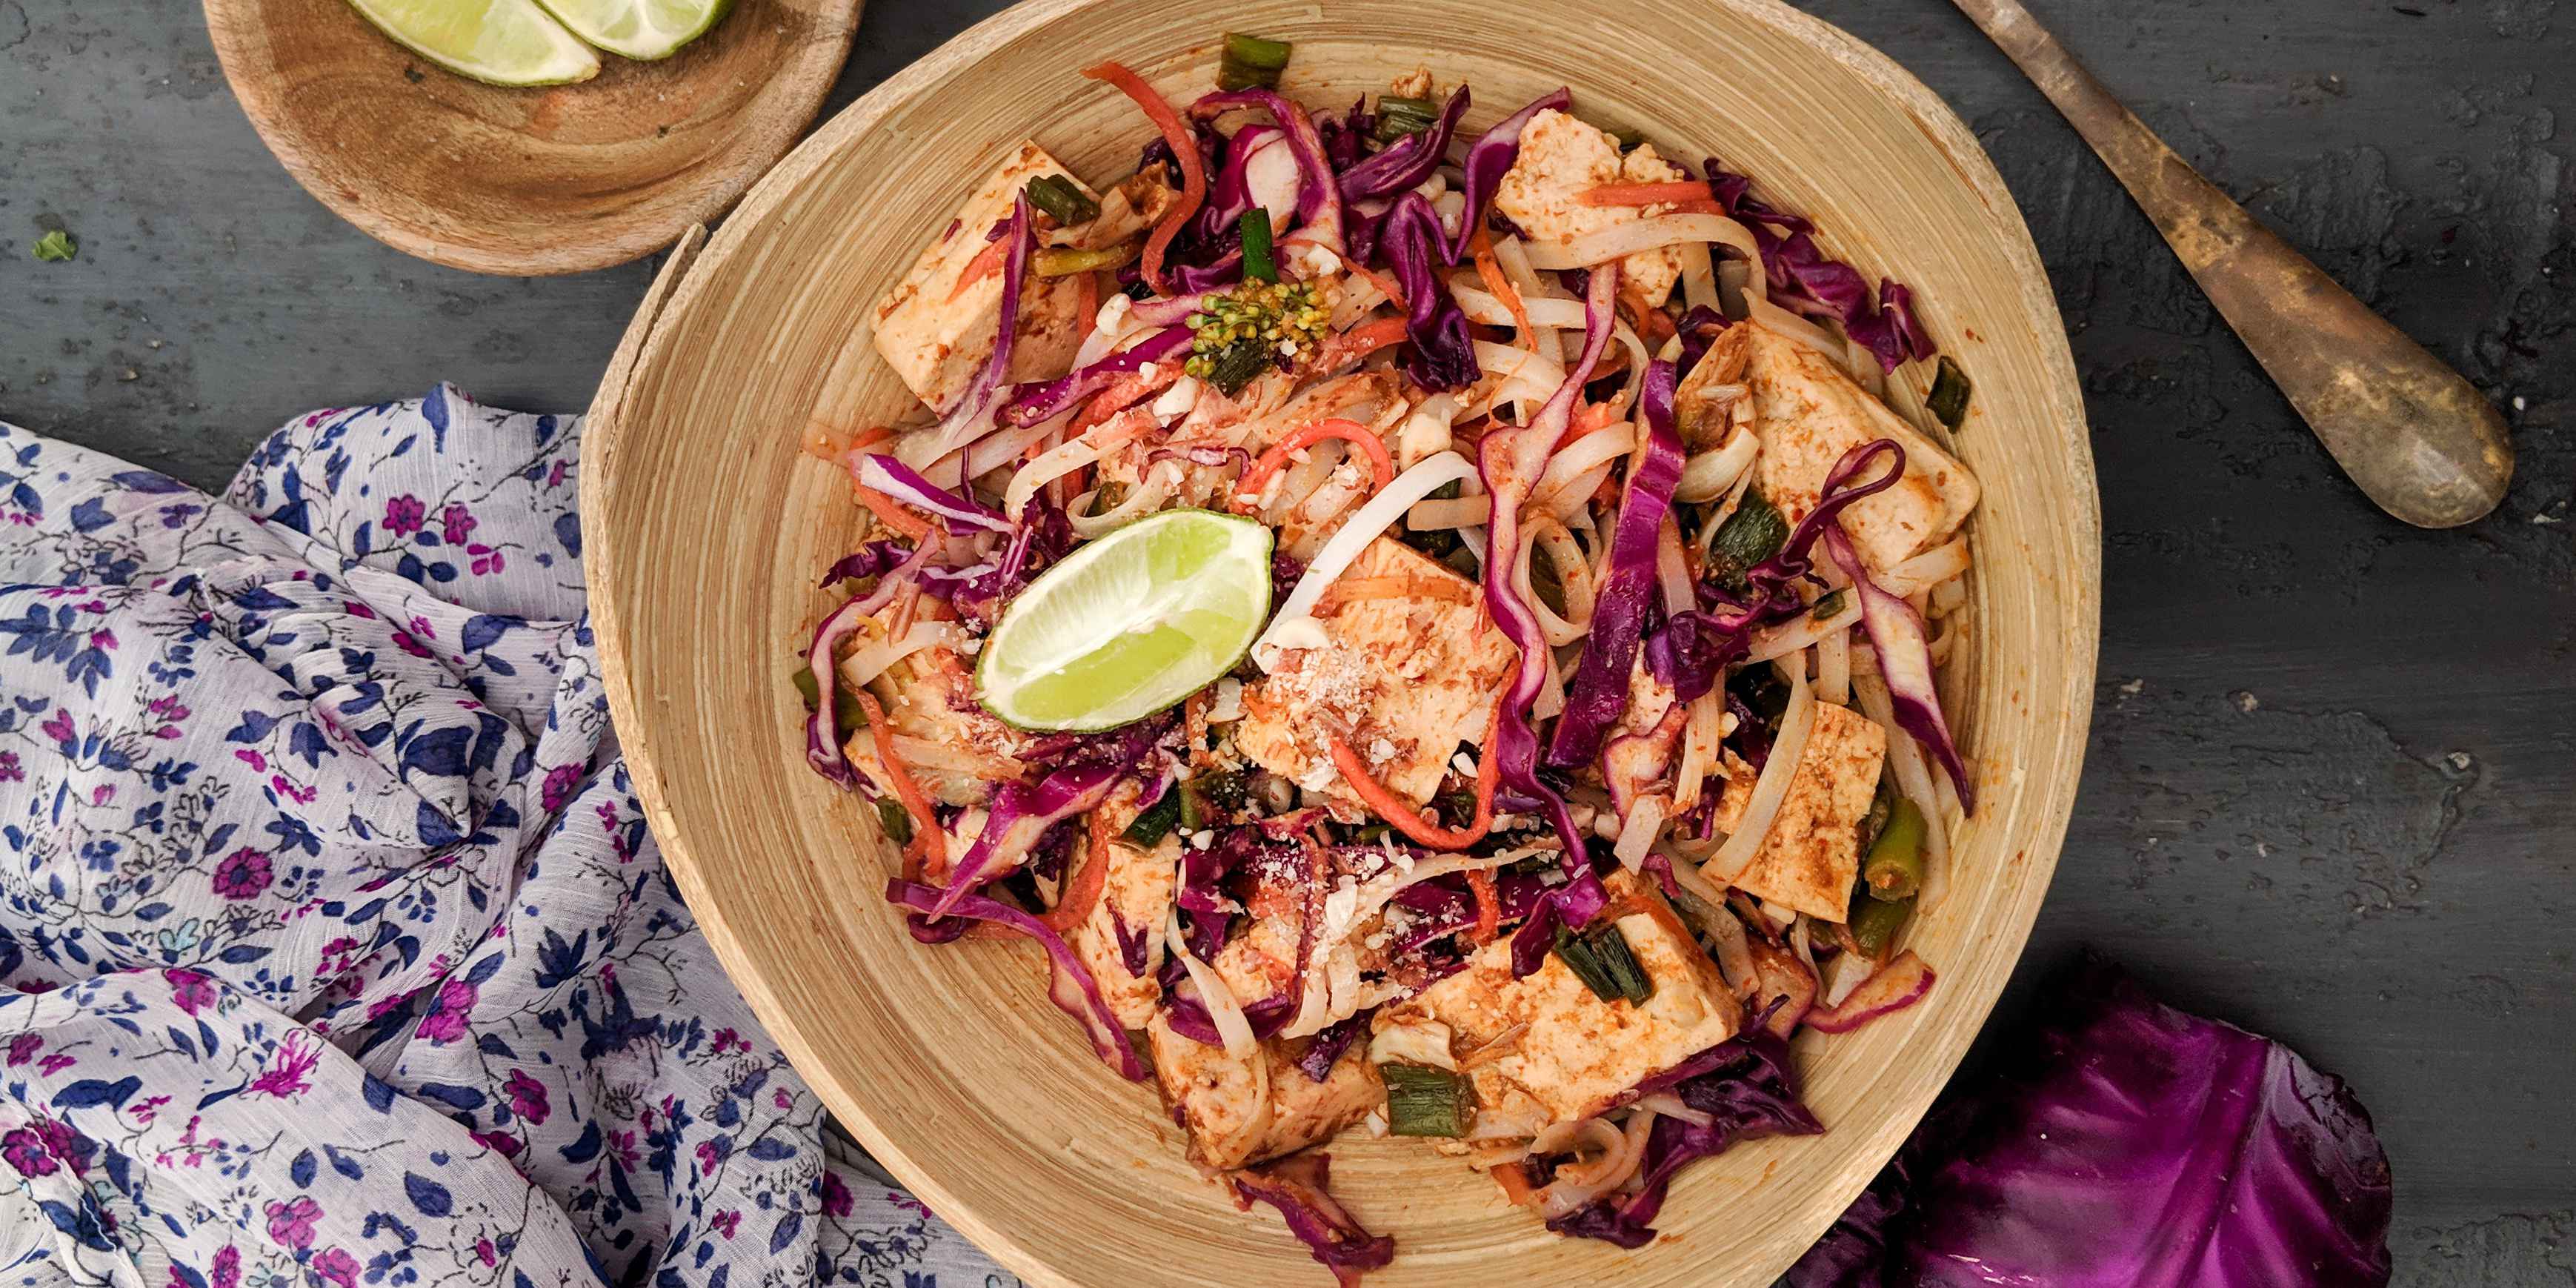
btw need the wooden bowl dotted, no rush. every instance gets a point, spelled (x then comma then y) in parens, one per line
(527, 182)
(707, 528)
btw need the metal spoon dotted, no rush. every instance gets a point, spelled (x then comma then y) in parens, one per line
(2416, 436)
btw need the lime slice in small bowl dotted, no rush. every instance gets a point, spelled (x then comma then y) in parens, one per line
(1129, 624)
(640, 29)
(498, 42)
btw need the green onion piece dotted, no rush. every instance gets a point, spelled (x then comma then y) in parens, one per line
(1882, 807)
(1423, 1101)
(1828, 604)
(1062, 261)
(1257, 264)
(1194, 810)
(1250, 62)
(1222, 791)
(56, 246)
(1874, 923)
(1630, 139)
(1602, 960)
(1056, 195)
(845, 705)
(1156, 822)
(1397, 117)
(1237, 364)
(804, 678)
(1894, 868)
(1949, 397)
(1752, 534)
(895, 819)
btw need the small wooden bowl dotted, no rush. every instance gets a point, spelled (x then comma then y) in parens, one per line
(527, 182)
(707, 528)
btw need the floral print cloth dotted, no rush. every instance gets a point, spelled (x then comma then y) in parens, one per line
(333, 949)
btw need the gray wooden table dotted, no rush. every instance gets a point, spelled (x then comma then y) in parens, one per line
(2332, 788)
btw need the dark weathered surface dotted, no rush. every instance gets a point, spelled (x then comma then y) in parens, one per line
(2332, 790)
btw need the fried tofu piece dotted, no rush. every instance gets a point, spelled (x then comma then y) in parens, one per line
(930, 696)
(1219, 1100)
(1809, 413)
(1560, 157)
(1580, 1054)
(1403, 677)
(937, 326)
(1136, 897)
(1811, 855)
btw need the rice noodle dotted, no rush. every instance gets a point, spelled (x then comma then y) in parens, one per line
(1913, 781)
(1573, 572)
(1452, 512)
(1804, 631)
(1581, 457)
(1672, 572)
(1048, 466)
(1551, 693)
(1637, 833)
(1797, 328)
(1833, 668)
(1699, 278)
(1617, 241)
(1222, 1009)
(1667, 1105)
(1927, 570)
(1147, 497)
(1945, 598)
(1707, 476)
(1576, 1188)
(870, 660)
(1381, 513)
(1701, 736)
(1353, 905)
(1483, 307)
(1514, 258)
(1772, 786)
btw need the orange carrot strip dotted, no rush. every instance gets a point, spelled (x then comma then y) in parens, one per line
(1385, 285)
(1185, 152)
(986, 263)
(1086, 307)
(928, 842)
(1082, 884)
(1646, 194)
(1516, 1187)
(887, 510)
(1404, 818)
(1489, 907)
(1248, 489)
(1491, 269)
(1361, 341)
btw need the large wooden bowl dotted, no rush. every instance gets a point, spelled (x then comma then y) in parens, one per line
(707, 528)
(526, 182)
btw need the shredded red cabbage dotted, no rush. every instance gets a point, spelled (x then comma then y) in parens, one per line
(1803, 279)
(1319, 198)
(1021, 814)
(1572, 905)
(1904, 648)
(871, 560)
(1442, 354)
(1598, 694)
(1035, 403)
(1230, 194)
(1490, 157)
(1073, 990)
(1321, 1054)
(1409, 160)
(903, 483)
(1346, 136)
(1296, 1186)
(823, 728)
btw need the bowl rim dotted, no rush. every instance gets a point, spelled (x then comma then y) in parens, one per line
(251, 68)
(686, 278)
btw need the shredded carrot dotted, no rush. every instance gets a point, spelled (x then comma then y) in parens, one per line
(928, 842)
(1385, 285)
(1120, 394)
(888, 511)
(1489, 906)
(1491, 269)
(1086, 307)
(868, 438)
(986, 263)
(1515, 1182)
(1677, 192)
(1083, 879)
(1247, 490)
(1185, 153)
(1654, 327)
(1404, 818)
(1361, 341)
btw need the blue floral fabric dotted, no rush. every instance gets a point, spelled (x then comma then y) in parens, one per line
(333, 948)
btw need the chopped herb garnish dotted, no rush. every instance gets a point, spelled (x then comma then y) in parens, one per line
(1752, 534)
(1828, 604)
(895, 820)
(1064, 261)
(1397, 117)
(1221, 791)
(1257, 264)
(1949, 397)
(1250, 62)
(1057, 195)
(1602, 960)
(1156, 822)
(1423, 1101)
(56, 246)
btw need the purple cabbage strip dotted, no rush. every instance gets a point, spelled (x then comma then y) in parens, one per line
(1803, 279)
(970, 418)
(1191, 281)
(1490, 157)
(1073, 990)
(1443, 353)
(1598, 694)
(1296, 1186)
(1135, 947)
(1021, 814)
(823, 728)
(1167, 312)
(1230, 192)
(1319, 199)
(1904, 648)
(1748, 1088)
(1510, 461)
(1409, 160)
(1346, 137)
(1037, 402)
(1326, 1050)
(903, 483)
(1189, 1017)
(1572, 905)
(869, 560)
(1042, 536)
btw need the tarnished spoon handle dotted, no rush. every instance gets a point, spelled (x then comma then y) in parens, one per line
(2413, 433)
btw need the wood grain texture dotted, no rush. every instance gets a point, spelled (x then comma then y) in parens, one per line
(948, 1063)
(527, 182)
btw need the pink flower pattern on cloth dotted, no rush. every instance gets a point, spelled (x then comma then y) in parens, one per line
(333, 949)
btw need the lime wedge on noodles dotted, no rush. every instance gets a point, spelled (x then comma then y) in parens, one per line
(1129, 624)
(501, 42)
(645, 29)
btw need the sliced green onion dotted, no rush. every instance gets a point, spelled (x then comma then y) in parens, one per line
(1194, 810)
(1602, 960)
(1397, 117)
(845, 705)
(56, 246)
(1156, 822)
(1894, 868)
(1874, 923)
(1257, 264)
(1056, 195)
(1250, 62)
(1949, 397)
(1061, 261)
(1882, 807)
(1237, 364)
(1828, 604)
(895, 820)
(1752, 534)
(1423, 1101)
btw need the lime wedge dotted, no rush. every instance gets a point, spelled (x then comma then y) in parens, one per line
(645, 29)
(501, 42)
(1129, 624)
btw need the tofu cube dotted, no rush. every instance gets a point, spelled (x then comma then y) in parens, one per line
(1580, 1054)
(937, 326)
(1218, 1099)
(1809, 413)
(1811, 855)
(1136, 896)
(1404, 678)
(1559, 158)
